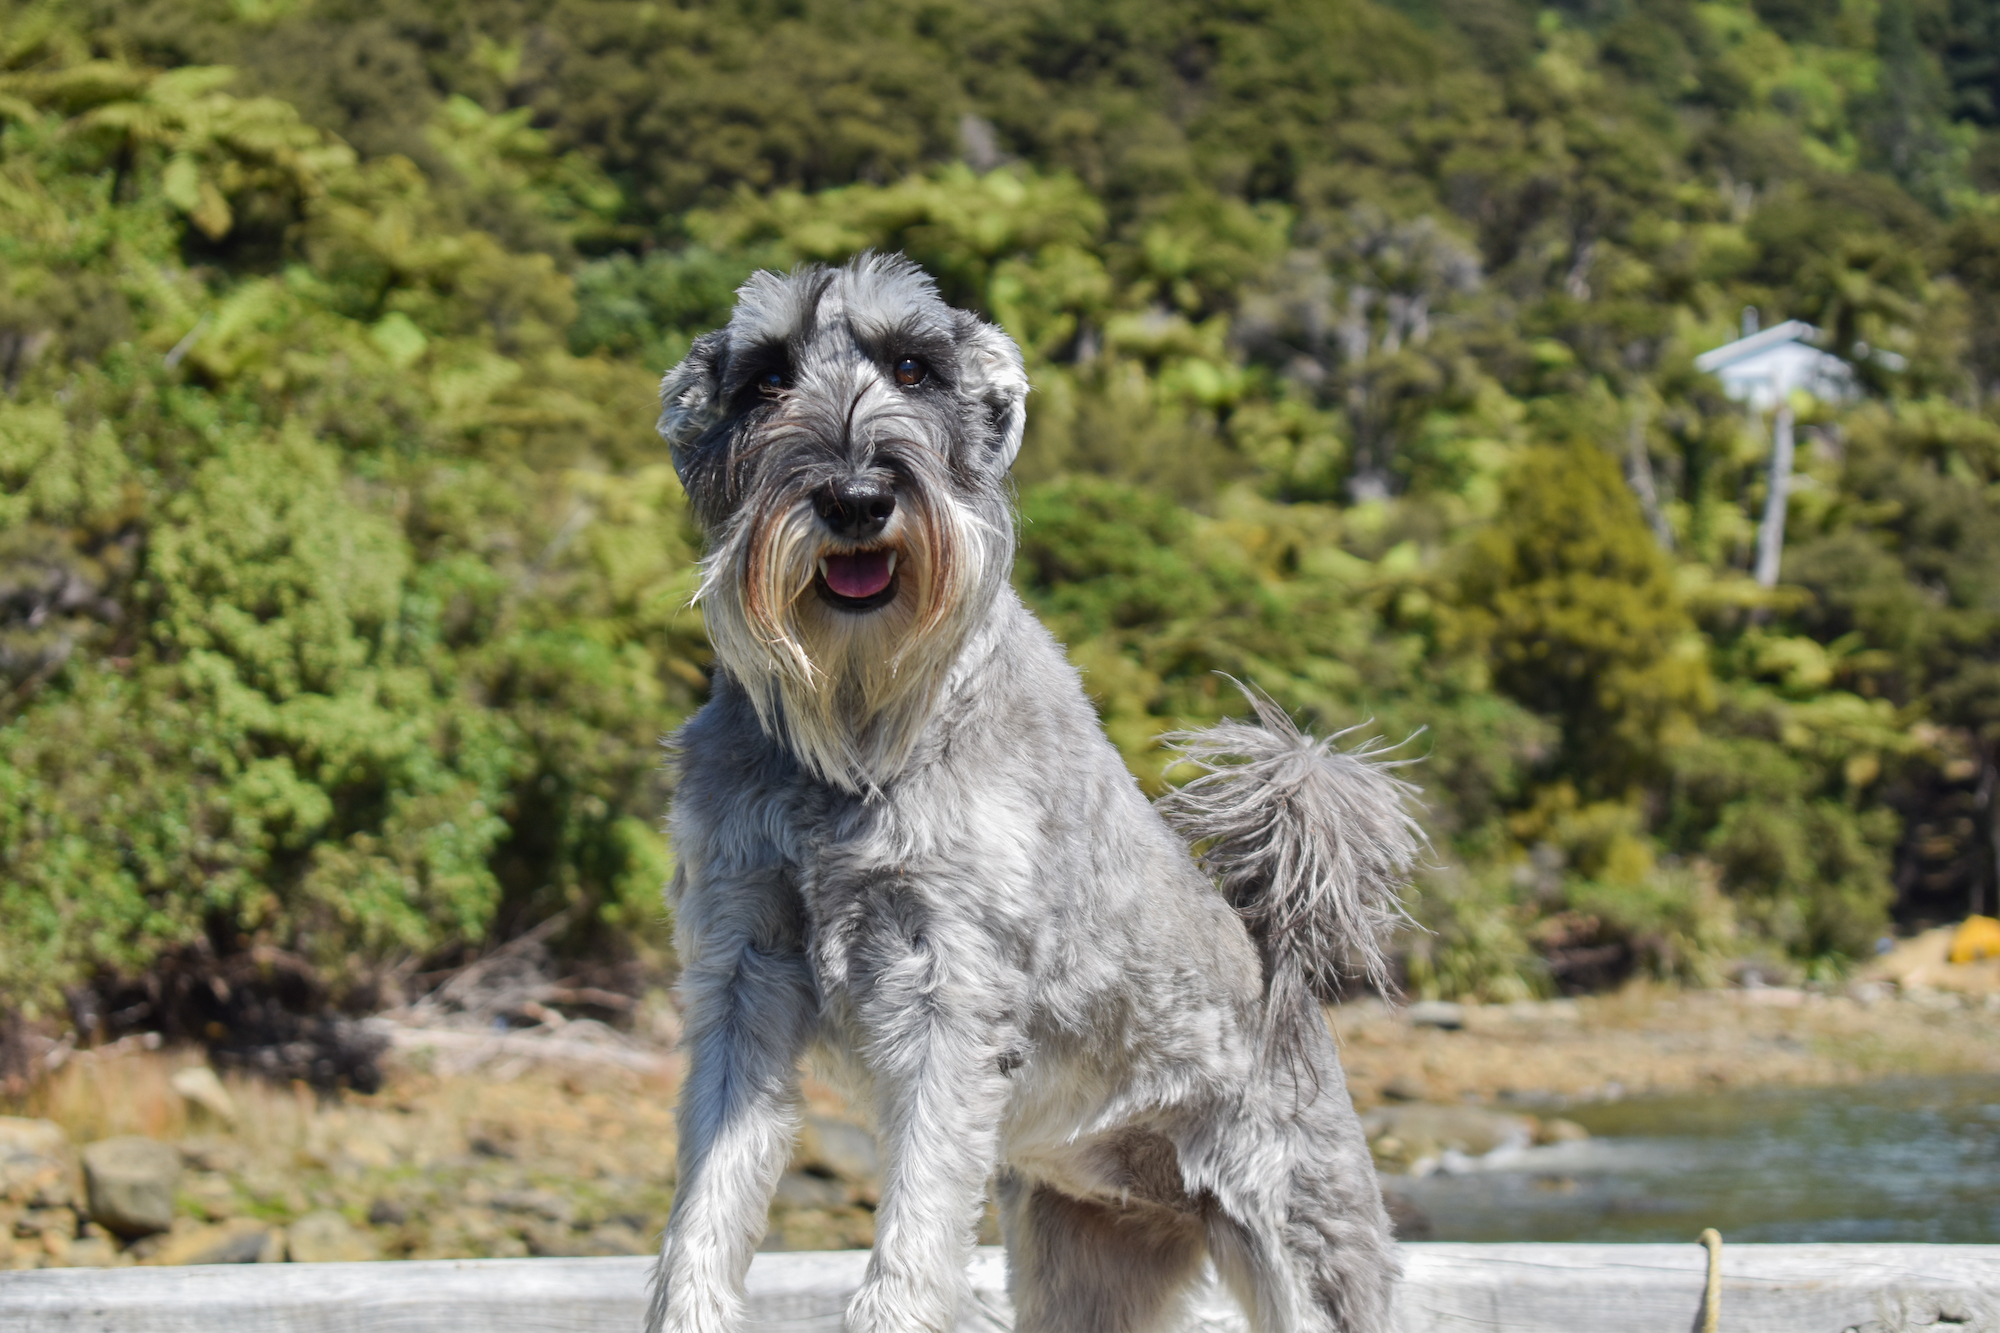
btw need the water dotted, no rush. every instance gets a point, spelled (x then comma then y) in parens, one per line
(1915, 1160)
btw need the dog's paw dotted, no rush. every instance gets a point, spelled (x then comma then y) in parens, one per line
(892, 1305)
(689, 1308)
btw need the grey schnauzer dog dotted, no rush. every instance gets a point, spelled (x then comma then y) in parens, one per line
(903, 840)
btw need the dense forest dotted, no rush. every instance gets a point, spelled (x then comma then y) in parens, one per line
(344, 585)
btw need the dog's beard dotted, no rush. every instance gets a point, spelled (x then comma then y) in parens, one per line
(849, 692)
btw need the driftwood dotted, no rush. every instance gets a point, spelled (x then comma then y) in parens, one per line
(1447, 1289)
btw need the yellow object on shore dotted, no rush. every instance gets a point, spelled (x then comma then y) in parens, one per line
(1976, 937)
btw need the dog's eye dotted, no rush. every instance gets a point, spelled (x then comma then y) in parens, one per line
(771, 383)
(910, 371)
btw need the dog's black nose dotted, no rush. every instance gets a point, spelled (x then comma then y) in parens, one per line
(856, 509)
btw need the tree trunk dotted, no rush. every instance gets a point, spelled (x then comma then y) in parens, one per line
(1639, 473)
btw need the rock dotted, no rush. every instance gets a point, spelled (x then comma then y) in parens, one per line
(57, 1245)
(198, 1086)
(32, 1138)
(1558, 1130)
(1936, 1001)
(847, 1151)
(130, 1182)
(1406, 1135)
(42, 1221)
(241, 1240)
(325, 1237)
(1403, 1089)
(34, 1157)
(209, 1153)
(212, 1195)
(1437, 1014)
(387, 1213)
(536, 1203)
(798, 1189)
(549, 1240)
(93, 1252)
(613, 1238)
(1772, 997)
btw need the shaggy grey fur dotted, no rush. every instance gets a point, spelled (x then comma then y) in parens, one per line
(902, 838)
(1310, 845)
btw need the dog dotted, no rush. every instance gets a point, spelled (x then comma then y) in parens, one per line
(903, 839)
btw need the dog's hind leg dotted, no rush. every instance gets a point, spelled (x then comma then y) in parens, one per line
(751, 1009)
(1317, 1256)
(1301, 1276)
(1081, 1266)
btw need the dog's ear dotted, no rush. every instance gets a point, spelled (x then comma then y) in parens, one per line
(691, 396)
(992, 373)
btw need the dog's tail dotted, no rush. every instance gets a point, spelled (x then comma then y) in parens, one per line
(1311, 844)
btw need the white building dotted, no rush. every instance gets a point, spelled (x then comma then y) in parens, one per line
(1765, 369)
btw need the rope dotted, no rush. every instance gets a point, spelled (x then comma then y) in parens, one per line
(1711, 1300)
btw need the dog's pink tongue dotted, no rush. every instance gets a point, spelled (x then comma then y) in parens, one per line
(861, 574)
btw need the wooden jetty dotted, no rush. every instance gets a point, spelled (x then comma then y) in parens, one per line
(1448, 1288)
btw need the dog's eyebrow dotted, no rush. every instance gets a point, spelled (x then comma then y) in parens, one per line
(753, 358)
(911, 336)
(814, 284)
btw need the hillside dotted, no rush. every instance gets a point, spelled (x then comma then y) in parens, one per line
(343, 586)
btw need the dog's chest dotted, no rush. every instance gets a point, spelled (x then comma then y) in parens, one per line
(918, 874)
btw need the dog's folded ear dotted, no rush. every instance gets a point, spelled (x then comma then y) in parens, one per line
(991, 372)
(690, 397)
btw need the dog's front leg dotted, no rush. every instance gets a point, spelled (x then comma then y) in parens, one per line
(751, 1009)
(936, 1040)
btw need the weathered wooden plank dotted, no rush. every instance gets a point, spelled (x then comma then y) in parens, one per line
(1640, 1288)
(1448, 1289)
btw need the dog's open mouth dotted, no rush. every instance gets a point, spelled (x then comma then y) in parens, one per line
(858, 580)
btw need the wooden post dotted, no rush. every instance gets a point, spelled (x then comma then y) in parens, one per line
(1771, 532)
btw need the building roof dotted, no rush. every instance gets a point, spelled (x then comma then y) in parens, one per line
(1766, 368)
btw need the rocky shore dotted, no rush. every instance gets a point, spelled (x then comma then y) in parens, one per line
(130, 1155)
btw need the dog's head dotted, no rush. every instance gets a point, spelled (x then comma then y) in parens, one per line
(844, 442)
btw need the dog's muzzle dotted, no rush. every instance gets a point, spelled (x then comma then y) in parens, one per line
(857, 510)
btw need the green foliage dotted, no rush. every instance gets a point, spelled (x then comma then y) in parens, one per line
(1575, 605)
(1472, 942)
(345, 622)
(343, 587)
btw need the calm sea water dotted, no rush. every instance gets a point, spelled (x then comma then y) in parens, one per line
(1915, 1160)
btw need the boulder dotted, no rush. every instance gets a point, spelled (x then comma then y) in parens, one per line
(130, 1182)
(1408, 1135)
(32, 1138)
(325, 1237)
(1558, 1130)
(844, 1150)
(34, 1158)
(198, 1086)
(798, 1189)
